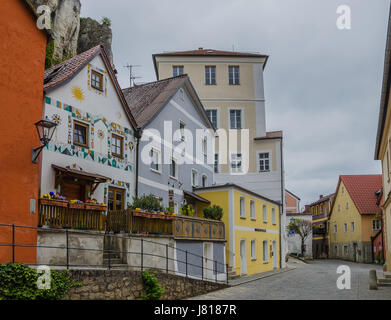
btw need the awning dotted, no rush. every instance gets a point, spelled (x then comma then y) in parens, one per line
(91, 178)
(195, 197)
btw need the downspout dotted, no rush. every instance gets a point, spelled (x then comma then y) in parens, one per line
(282, 200)
(137, 135)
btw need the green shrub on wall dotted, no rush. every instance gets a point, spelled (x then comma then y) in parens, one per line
(19, 282)
(152, 287)
(147, 202)
(215, 212)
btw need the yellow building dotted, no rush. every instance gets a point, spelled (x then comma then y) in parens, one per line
(231, 88)
(252, 227)
(383, 147)
(355, 218)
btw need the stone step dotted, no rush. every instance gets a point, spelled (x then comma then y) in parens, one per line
(112, 261)
(387, 274)
(384, 280)
(382, 284)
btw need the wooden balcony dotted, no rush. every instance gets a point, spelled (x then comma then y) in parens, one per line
(130, 221)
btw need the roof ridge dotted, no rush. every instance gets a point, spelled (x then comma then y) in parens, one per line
(157, 81)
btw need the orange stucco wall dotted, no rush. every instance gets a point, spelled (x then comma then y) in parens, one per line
(22, 62)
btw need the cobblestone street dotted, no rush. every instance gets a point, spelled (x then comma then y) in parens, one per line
(314, 281)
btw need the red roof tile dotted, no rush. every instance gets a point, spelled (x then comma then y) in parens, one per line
(362, 189)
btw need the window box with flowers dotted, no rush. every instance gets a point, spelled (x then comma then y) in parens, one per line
(95, 205)
(76, 204)
(53, 199)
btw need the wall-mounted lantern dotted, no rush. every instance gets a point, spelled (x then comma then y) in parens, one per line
(45, 129)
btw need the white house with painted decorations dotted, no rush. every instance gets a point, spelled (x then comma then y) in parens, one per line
(92, 154)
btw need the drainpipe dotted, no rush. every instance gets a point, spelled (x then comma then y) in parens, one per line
(282, 200)
(137, 135)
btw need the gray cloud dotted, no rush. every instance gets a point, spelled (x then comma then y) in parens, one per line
(322, 84)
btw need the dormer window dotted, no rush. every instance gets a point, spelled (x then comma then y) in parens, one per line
(97, 80)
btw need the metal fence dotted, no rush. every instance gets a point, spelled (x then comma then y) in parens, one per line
(206, 267)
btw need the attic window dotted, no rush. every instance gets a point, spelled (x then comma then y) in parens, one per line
(52, 74)
(97, 80)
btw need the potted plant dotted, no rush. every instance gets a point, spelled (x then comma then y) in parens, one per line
(53, 199)
(76, 204)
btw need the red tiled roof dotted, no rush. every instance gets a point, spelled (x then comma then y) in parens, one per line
(362, 190)
(271, 135)
(70, 67)
(66, 70)
(210, 52)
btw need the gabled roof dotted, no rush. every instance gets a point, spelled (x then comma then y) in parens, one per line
(292, 194)
(362, 190)
(385, 91)
(201, 52)
(147, 100)
(322, 199)
(67, 70)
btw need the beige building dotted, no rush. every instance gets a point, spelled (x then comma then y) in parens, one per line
(230, 86)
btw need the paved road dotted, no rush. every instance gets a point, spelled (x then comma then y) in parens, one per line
(314, 281)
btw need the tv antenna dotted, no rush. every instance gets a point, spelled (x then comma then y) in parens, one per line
(132, 77)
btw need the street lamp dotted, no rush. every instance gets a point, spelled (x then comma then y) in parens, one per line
(45, 129)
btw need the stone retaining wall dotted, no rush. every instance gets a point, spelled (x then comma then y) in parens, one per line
(128, 285)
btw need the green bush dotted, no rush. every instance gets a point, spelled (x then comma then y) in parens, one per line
(106, 21)
(187, 210)
(19, 282)
(147, 202)
(152, 287)
(215, 212)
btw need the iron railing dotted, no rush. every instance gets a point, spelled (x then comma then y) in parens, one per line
(209, 269)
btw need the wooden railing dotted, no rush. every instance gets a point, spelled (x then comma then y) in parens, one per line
(181, 227)
(64, 217)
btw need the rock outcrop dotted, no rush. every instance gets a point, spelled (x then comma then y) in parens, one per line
(72, 34)
(65, 25)
(93, 33)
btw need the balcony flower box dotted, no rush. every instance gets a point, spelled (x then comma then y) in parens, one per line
(95, 206)
(76, 205)
(141, 214)
(54, 202)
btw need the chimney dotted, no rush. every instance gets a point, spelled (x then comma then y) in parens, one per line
(307, 208)
(321, 196)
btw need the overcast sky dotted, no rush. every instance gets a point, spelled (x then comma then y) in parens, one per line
(322, 84)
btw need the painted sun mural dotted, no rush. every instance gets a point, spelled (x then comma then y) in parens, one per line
(78, 93)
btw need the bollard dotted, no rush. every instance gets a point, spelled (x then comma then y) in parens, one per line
(372, 280)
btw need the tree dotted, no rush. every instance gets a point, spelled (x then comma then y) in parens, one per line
(301, 227)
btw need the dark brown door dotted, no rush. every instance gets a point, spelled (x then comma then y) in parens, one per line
(116, 199)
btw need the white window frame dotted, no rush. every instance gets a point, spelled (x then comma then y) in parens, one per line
(217, 116)
(231, 161)
(376, 225)
(264, 213)
(241, 109)
(208, 75)
(265, 251)
(175, 68)
(159, 169)
(242, 207)
(176, 168)
(194, 183)
(233, 75)
(206, 180)
(352, 226)
(253, 247)
(274, 220)
(253, 214)
(270, 160)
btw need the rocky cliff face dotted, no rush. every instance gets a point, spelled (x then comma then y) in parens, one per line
(65, 25)
(93, 33)
(72, 34)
